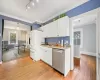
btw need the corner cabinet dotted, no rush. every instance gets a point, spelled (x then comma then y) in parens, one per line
(57, 28)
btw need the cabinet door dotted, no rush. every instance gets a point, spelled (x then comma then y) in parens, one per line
(42, 53)
(63, 26)
(52, 29)
(47, 55)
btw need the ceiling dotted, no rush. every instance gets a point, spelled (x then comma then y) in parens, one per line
(84, 20)
(15, 25)
(41, 12)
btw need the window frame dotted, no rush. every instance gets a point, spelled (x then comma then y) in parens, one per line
(16, 37)
(81, 34)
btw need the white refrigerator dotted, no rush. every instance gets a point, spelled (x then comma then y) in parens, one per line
(35, 43)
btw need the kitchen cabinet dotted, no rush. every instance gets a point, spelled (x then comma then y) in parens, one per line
(52, 29)
(45, 29)
(46, 55)
(63, 26)
(57, 28)
(55, 58)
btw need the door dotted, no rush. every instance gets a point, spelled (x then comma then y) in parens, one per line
(45, 31)
(52, 29)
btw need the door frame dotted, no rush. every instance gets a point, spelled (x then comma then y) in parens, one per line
(97, 43)
(92, 12)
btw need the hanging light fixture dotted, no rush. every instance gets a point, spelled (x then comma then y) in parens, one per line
(31, 3)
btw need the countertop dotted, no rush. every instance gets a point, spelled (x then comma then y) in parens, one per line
(58, 47)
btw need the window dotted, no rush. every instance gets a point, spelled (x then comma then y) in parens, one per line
(12, 38)
(78, 37)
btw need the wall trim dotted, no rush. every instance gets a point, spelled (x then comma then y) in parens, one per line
(1, 62)
(77, 56)
(88, 53)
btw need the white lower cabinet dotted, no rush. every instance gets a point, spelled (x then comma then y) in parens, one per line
(46, 55)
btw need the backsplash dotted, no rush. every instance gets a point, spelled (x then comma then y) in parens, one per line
(55, 40)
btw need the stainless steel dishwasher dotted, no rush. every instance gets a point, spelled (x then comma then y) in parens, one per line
(58, 59)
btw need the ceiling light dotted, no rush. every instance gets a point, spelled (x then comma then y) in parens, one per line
(28, 7)
(77, 19)
(33, 3)
(37, 0)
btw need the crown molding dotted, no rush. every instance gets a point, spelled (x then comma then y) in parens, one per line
(4, 14)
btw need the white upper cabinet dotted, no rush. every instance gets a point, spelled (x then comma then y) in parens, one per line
(52, 29)
(45, 31)
(63, 26)
(57, 28)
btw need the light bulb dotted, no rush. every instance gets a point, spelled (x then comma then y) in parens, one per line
(33, 3)
(28, 7)
(37, 0)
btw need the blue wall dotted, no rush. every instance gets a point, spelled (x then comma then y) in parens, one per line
(88, 6)
(35, 26)
(0, 39)
(55, 40)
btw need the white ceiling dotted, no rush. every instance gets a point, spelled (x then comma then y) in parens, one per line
(84, 20)
(15, 25)
(41, 12)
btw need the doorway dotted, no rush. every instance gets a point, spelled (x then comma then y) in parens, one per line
(84, 46)
(15, 43)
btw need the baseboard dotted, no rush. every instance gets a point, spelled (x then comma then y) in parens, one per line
(77, 57)
(88, 53)
(1, 62)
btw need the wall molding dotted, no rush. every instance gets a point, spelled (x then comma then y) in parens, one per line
(77, 56)
(88, 53)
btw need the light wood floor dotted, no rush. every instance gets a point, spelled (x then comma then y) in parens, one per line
(26, 69)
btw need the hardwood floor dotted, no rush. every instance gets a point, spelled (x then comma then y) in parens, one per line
(26, 69)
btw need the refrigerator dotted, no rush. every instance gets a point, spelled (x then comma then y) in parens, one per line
(35, 43)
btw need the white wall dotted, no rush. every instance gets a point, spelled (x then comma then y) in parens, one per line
(21, 34)
(21, 29)
(89, 40)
